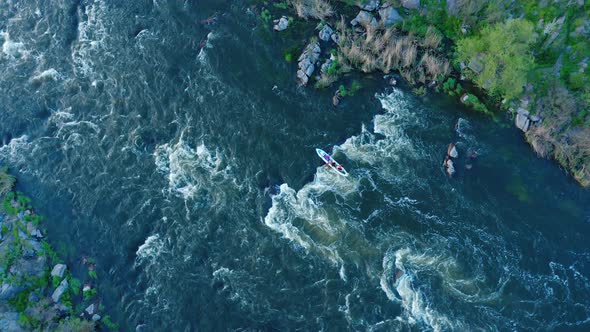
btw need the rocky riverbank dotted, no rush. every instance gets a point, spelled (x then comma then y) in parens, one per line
(442, 46)
(38, 291)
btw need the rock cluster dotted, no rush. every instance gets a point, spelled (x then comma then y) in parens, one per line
(308, 61)
(448, 164)
(523, 119)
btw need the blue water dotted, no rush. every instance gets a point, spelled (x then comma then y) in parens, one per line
(181, 156)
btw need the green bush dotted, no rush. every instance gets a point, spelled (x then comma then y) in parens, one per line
(92, 274)
(343, 91)
(106, 320)
(89, 294)
(503, 51)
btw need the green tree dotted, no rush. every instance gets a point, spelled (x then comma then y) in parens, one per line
(500, 56)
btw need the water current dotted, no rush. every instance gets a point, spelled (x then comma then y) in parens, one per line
(181, 156)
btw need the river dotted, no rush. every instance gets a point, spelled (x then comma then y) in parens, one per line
(181, 156)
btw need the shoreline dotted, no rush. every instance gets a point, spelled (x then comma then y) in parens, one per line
(393, 38)
(39, 292)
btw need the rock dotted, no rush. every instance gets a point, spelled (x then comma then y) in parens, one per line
(364, 18)
(475, 64)
(390, 16)
(522, 122)
(309, 70)
(33, 297)
(96, 317)
(464, 98)
(86, 288)
(336, 98)
(368, 5)
(326, 32)
(91, 309)
(326, 65)
(29, 266)
(8, 290)
(522, 111)
(37, 233)
(535, 118)
(281, 24)
(63, 286)
(452, 151)
(335, 38)
(450, 167)
(9, 322)
(308, 58)
(58, 270)
(411, 4)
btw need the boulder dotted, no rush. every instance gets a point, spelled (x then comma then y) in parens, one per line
(58, 270)
(535, 118)
(96, 317)
(452, 151)
(325, 33)
(522, 122)
(8, 290)
(476, 65)
(91, 309)
(450, 167)
(389, 16)
(368, 5)
(522, 111)
(411, 4)
(364, 18)
(309, 56)
(281, 24)
(9, 322)
(63, 286)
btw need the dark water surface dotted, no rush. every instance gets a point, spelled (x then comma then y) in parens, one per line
(195, 183)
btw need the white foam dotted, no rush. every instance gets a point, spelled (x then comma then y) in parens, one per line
(413, 300)
(46, 75)
(12, 49)
(189, 169)
(91, 35)
(151, 248)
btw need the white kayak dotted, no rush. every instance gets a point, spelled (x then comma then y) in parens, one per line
(331, 162)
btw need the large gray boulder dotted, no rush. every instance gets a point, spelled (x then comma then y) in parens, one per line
(389, 16)
(364, 18)
(58, 292)
(307, 60)
(411, 4)
(58, 270)
(368, 5)
(522, 122)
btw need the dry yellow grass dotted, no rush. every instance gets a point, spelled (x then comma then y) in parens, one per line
(318, 9)
(432, 39)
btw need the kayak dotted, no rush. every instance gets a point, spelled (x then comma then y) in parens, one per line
(327, 158)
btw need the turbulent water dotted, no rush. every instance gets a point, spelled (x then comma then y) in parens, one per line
(181, 156)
